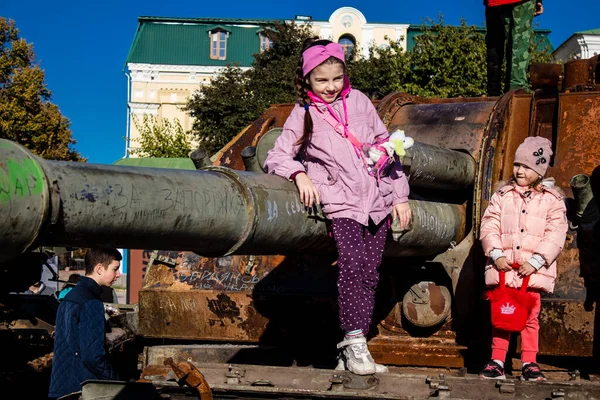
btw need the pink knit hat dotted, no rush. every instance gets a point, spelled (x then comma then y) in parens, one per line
(535, 152)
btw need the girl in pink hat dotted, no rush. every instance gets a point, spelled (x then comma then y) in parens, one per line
(525, 224)
(321, 150)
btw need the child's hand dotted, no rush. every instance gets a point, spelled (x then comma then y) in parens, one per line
(502, 264)
(306, 189)
(526, 269)
(403, 213)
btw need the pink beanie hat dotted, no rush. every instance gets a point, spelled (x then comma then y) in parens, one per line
(535, 152)
(315, 55)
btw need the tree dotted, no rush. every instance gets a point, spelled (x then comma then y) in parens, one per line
(445, 61)
(235, 97)
(161, 138)
(222, 109)
(387, 69)
(448, 61)
(26, 114)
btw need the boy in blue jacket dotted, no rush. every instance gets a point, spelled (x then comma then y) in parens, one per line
(79, 339)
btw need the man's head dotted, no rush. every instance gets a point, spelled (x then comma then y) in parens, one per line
(102, 265)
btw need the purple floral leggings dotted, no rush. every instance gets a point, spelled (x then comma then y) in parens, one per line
(360, 250)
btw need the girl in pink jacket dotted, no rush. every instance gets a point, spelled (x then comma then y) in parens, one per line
(320, 149)
(525, 224)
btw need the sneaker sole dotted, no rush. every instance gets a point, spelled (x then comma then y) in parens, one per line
(501, 377)
(540, 379)
(379, 369)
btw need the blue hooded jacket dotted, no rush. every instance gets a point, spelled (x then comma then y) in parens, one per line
(79, 340)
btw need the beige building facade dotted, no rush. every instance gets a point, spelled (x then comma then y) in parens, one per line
(171, 58)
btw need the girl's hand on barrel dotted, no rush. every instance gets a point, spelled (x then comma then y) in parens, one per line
(306, 189)
(402, 212)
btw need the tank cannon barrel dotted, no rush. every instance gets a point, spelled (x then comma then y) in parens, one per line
(427, 166)
(433, 167)
(215, 211)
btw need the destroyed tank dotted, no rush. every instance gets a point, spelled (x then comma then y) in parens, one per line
(240, 279)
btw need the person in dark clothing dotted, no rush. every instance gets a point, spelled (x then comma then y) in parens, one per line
(108, 295)
(79, 339)
(71, 282)
(509, 25)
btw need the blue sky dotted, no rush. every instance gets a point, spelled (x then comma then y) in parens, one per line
(82, 45)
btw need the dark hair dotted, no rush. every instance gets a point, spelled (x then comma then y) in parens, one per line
(302, 86)
(94, 257)
(73, 279)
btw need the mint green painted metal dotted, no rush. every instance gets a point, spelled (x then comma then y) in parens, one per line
(23, 199)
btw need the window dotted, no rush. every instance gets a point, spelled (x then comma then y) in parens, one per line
(218, 45)
(347, 44)
(265, 43)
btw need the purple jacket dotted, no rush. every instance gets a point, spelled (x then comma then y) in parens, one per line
(330, 161)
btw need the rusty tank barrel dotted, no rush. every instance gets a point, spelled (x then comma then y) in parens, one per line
(582, 191)
(426, 165)
(436, 168)
(215, 211)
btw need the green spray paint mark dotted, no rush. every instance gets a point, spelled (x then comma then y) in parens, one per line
(20, 179)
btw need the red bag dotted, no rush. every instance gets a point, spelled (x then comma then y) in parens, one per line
(510, 306)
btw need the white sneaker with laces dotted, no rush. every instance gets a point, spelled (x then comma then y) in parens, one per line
(357, 356)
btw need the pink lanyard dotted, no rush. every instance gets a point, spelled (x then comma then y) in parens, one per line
(340, 127)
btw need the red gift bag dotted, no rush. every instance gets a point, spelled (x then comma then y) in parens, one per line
(510, 306)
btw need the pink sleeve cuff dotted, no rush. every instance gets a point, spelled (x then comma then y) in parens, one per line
(293, 176)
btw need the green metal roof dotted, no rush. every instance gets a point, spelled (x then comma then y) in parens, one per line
(589, 32)
(186, 42)
(173, 163)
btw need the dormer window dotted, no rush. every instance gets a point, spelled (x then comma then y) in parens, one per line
(218, 44)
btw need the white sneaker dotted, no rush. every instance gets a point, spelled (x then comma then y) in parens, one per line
(341, 365)
(357, 356)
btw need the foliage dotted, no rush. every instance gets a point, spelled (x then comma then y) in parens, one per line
(26, 114)
(236, 97)
(161, 138)
(445, 61)
(222, 109)
(386, 70)
(448, 61)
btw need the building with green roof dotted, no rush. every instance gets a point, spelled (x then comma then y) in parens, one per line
(170, 58)
(580, 45)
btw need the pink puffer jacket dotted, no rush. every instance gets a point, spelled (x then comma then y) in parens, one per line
(522, 224)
